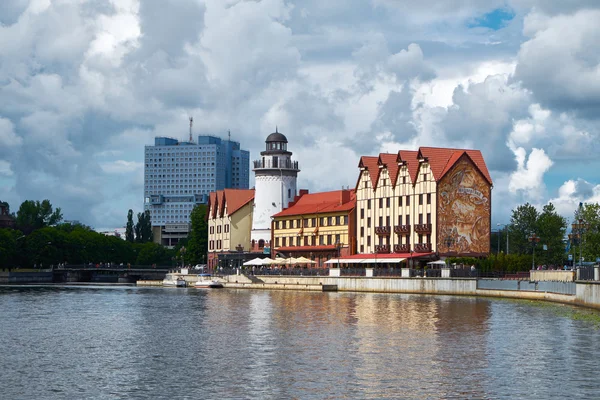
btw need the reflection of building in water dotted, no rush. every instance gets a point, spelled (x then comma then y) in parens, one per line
(420, 202)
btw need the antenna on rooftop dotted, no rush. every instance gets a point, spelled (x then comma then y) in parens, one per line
(191, 123)
(229, 134)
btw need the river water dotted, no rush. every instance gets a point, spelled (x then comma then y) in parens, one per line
(127, 342)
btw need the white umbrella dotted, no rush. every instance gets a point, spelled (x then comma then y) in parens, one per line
(255, 261)
(304, 260)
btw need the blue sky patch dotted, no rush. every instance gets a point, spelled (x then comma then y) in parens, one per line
(494, 20)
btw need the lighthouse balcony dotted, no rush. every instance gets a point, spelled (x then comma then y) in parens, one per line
(276, 164)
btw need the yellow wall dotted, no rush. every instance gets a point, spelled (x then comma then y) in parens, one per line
(240, 225)
(308, 230)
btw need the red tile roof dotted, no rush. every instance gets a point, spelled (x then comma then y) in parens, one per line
(306, 248)
(220, 203)
(212, 204)
(440, 160)
(410, 157)
(323, 202)
(370, 163)
(237, 198)
(391, 163)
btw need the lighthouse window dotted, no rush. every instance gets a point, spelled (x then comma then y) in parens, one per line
(289, 193)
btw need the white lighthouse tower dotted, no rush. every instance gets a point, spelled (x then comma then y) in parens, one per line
(275, 186)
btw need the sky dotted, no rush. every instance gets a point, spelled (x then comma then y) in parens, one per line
(86, 84)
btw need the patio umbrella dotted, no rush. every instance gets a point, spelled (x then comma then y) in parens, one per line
(304, 260)
(255, 261)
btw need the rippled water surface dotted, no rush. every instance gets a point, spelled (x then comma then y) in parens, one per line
(118, 342)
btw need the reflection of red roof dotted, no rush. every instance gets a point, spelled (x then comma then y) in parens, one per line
(306, 248)
(390, 162)
(237, 198)
(323, 202)
(440, 160)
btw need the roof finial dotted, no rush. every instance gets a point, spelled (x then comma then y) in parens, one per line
(276, 131)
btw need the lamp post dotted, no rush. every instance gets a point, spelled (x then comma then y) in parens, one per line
(576, 236)
(506, 227)
(338, 247)
(449, 241)
(534, 240)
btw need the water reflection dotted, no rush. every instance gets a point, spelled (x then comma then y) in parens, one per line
(188, 343)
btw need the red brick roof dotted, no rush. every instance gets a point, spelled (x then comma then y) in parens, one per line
(323, 202)
(212, 204)
(237, 198)
(391, 163)
(441, 160)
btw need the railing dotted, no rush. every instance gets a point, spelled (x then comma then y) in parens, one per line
(585, 273)
(422, 247)
(382, 248)
(387, 272)
(278, 271)
(402, 229)
(402, 248)
(280, 164)
(423, 228)
(352, 272)
(382, 230)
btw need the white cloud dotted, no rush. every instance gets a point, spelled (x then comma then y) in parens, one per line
(5, 169)
(529, 176)
(121, 166)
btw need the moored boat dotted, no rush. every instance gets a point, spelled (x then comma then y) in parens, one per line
(207, 281)
(172, 280)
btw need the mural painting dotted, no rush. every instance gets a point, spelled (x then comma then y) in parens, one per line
(464, 211)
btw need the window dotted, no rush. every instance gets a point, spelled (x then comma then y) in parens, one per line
(362, 248)
(407, 238)
(305, 240)
(399, 219)
(408, 200)
(387, 220)
(381, 202)
(321, 240)
(368, 204)
(227, 228)
(369, 222)
(399, 201)
(322, 221)
(337, 220)
(403, 179)
(312, 240)
(362, 213)
(366, 184)
(261, 243)
(428, 198)
(219, 229)
(408, 220)
(276, 242)
(368, 240)
(380, 221)
(314, 222)
(345, 220)
(329, 239)
(212, 229)
(337, 239)
(283, 241)
(420, 219)
(429, 239)
(424, 177)
(306, 222)
(362, 231)
(420, 199)
(420, 238)
(387, 202)
(429, 218)
(289, 193)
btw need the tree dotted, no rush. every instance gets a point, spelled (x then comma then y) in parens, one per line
(34, 215)
(129, 229)
(143, 228)
(589, 240)
(551, 228)
(523, 223)
(197, 246)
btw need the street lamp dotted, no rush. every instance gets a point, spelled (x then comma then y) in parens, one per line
(338, 247)
(506, 227)
(449, 241)
(576, 236)
(534, 240)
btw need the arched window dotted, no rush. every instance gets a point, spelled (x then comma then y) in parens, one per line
(261, 244)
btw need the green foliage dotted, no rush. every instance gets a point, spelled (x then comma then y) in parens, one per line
(152, 253)
(197, 244)
(551, 228)
(589, 241)
(34, 215)
(143, 228)
(496, 262)
(129, 228)
(523, 223)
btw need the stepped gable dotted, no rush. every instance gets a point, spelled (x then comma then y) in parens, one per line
(411, 158)
(370, 164)
(237, 198)
(322, 202)
(212, 205)
(390, 162)
(221, 203)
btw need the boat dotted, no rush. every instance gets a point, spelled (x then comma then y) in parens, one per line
(207, 281)
(172, 280)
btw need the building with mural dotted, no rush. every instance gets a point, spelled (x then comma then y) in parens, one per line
(319, 226)
(423, 204)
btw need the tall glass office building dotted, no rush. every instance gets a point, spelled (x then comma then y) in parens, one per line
(179, 175)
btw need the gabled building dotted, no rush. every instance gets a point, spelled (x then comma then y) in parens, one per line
(6, 220)
(426, 203)
(319, 226)
(229, 226)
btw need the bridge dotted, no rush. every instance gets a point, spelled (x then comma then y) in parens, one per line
(108, 274)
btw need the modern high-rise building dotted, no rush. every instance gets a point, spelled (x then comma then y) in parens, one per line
(178, 175)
